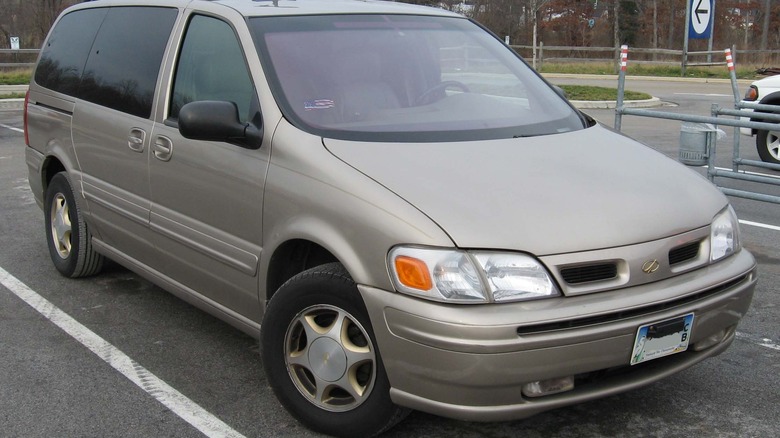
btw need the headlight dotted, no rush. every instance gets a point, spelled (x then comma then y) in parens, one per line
(469, 277)
(515, 277)
(724, 234)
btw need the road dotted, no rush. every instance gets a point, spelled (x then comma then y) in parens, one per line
(52, 385)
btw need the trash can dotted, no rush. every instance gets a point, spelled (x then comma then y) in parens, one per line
(695, 139)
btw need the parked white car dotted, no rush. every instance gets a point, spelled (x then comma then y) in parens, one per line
(765, 91)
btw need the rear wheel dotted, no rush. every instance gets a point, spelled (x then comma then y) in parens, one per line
(768, 145)
(321, 359)
(69, 240)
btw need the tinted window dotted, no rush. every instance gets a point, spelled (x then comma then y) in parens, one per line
(66, 50)
(211, 66)
(122, 69)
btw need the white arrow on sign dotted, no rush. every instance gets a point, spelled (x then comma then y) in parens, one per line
(701, 15)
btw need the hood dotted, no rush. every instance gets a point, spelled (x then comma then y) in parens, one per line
(577, 191)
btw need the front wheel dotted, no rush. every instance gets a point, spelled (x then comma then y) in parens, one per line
(69, 239)
(321, 359)
(768, 145)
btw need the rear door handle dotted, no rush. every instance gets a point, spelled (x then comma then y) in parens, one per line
(162, 148)
(136, 139)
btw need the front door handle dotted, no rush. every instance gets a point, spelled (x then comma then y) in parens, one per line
(135, 140)
(162, 148)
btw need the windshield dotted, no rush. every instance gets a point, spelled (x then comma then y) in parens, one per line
(404, 78)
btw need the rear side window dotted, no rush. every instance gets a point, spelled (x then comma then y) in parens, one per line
(66, 50)
(124, 63)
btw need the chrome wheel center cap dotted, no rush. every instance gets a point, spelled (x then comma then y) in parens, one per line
(328, 360)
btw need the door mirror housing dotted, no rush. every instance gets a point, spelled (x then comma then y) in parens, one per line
(219, 121)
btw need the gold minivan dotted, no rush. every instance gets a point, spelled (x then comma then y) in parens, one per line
(403, 212)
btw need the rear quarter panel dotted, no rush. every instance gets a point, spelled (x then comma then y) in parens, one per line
(49, 119)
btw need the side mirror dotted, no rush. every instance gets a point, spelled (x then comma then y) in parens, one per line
(218, 121)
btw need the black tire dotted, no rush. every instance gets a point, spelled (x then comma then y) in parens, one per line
(768, 145)
(68, 237)
(349, 394)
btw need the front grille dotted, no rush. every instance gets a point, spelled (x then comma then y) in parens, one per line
(684, 253)
(617, 316)
(589, 273)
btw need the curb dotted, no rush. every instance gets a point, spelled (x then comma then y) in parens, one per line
(611, 104)
(11, 104)
(646, 78)
(13, 88)
(17, 104)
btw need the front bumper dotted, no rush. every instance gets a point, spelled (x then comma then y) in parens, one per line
(471, 362)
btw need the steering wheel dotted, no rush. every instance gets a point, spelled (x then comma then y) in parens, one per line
(425, 97)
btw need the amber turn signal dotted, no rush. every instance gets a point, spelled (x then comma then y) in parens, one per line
(413, 273)
(752, 94)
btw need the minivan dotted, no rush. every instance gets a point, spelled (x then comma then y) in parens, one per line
(401, 210)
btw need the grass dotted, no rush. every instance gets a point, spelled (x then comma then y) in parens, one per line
(15, 77)
(574, 92)
(22, 76)
(12, 96)
(608, 68)
(585, 92)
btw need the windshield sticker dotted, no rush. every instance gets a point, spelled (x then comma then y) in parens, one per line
(318, 104)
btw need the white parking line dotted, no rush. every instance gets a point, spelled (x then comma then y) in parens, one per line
(12, 128)
(182, 406)
(751, 223)
(763, 342)
(760, 225)
(707, 95)
(754, 224)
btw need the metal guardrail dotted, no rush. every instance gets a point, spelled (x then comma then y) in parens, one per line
(668, 56)
(20, 51)
(9, 58)
(745, 116)
(770, 114)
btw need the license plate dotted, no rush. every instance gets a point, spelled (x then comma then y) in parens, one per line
(662, 338)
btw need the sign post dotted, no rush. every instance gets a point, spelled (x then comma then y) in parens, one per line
(698, 24)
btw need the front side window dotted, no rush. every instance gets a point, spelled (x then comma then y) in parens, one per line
(404, 78)
(212, 66)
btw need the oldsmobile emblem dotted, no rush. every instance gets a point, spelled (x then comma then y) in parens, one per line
(650, 266)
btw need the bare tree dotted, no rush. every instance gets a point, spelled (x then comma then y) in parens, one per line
(10, 20)
(655, 28)
(765, 29)
(29, 20)
(643, 23)
(42, 14)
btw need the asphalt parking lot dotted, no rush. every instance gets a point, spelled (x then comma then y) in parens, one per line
(155, 366)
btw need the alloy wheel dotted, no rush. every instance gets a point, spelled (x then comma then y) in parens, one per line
(329, 358)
